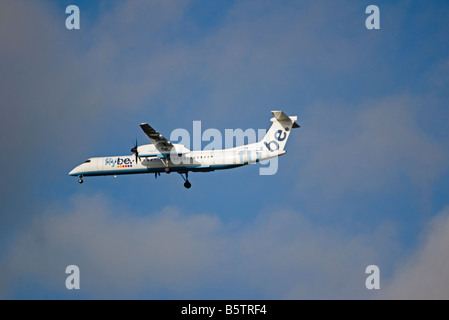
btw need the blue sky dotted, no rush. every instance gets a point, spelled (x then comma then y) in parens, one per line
(364, 181)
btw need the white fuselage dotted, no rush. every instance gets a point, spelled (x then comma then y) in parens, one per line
(164, 156)
(206, 160)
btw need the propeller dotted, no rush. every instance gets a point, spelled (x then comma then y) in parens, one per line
(134, 150)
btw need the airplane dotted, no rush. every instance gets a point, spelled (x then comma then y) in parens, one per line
(164, 156)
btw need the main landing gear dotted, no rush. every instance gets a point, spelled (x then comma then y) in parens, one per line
(187, 184)
(167, 168)
(80, 179)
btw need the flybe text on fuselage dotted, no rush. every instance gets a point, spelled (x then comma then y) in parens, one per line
(119, 162)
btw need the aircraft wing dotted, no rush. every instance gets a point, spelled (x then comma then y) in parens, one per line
(161, 143)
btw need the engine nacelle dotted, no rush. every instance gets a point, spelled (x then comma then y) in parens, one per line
(148, 160)
(149, 150)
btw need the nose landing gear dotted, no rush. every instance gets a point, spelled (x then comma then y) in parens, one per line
(80, 179)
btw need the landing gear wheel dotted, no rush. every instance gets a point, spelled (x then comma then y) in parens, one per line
(186, 179)
(80, 180)
(167, 170)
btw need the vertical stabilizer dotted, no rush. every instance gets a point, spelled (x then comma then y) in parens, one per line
(276, 138)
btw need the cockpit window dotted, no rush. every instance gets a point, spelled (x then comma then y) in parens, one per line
(87, 161)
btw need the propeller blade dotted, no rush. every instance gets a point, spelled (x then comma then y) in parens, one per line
(134, 150)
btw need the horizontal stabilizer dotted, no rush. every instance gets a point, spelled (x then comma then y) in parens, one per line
(280, 116)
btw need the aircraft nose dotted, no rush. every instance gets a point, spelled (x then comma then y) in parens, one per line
(74, 171)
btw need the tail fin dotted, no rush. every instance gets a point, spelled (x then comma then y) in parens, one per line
(278, 133)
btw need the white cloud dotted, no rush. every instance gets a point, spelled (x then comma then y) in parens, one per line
(121, 254)
(116, 251)
(425, 274)
(281, 255)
